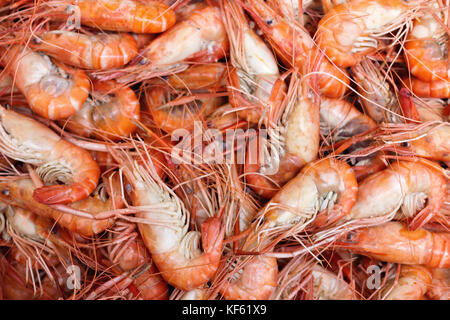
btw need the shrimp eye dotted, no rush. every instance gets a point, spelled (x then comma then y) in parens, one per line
(143, 61)
(269, 22)
(405, 144)
(36, 40)
(351, 237)
(5, 192)
(128, 188)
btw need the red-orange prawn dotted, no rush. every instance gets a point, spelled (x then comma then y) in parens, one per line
(98, 51)
(53, 90)
(393, 242)
(111, 113)
(27, 140)
(296, 48)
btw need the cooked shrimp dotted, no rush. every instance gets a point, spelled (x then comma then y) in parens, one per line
(104, 160)
(412, 284)
(392, 242)
(253, 85)
(121, 15)
(20, 193)
(426, 49)
(201, 37)
(405, 185)
(340, 121)
(112, 112)
(36, 243)
(349, 31)
(174, 250)
(53, 91)
(294, 142)
(327, 187)
(318, 188)
(171, 114)
(29, 141)
(292, 278)
(367, 166)
(296, 48)
(224, 118)
(98, 51)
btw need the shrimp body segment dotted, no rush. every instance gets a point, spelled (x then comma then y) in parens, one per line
(257, 281)
(100, 51)
(345, 32)
(392, 242)
(327, 187)
(201, 37)
(427, 59)
(126, 15)
(111, 114)
(29, 141)
(53, 91)
(198, 77)
(403, 185)
(434, 89)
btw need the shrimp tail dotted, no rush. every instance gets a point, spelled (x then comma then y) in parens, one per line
(212, 234)
(59, 194)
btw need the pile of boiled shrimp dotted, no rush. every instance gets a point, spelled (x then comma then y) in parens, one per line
(132, 164)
